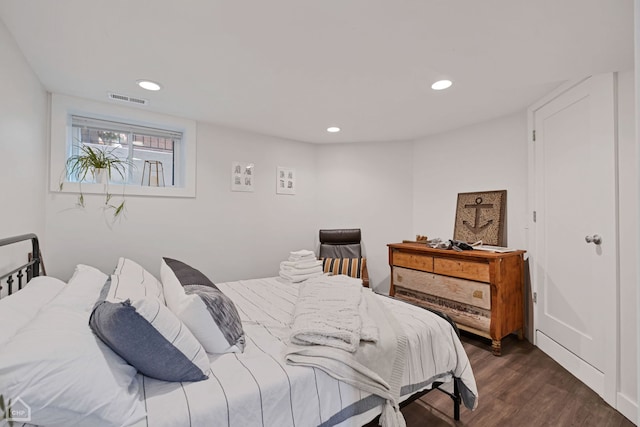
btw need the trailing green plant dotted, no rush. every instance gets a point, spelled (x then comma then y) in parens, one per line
(86, 164)
(88, 160)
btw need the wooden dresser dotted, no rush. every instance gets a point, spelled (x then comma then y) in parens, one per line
(481, 291)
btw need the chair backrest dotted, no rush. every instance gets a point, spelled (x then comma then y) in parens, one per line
(340, 243)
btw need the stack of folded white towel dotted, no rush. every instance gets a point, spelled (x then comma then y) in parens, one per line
(300, 266)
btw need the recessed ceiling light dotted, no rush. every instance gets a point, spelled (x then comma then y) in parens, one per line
(149, 85)
(441, 84)
(333, 129)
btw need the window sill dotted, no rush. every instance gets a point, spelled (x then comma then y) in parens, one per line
(129, 190)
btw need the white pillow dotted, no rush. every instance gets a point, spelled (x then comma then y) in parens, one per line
(174, 293)
(66, 375)
(123, 288)
(19, 308)
(205, 310)
(135, 272)
(87, 283)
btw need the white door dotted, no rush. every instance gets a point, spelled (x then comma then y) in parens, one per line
(574, 233)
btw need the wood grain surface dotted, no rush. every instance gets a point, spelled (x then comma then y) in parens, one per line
(523, 388)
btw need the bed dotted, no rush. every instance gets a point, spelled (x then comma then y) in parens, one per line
(58, 372)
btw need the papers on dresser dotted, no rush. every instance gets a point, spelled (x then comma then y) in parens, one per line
(498, 249)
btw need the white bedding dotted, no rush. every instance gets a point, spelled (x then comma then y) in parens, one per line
(257, 388)
(17, 311)
(61, 371)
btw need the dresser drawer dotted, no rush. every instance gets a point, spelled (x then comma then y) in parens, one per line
(416, 262)
(465, 269)
(465, 316)
(465, 291)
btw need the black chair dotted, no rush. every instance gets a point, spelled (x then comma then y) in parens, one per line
(344, 244)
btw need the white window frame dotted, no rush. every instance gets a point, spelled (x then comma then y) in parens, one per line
(63, 107)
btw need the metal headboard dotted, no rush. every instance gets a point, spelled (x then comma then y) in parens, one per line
(31, 269)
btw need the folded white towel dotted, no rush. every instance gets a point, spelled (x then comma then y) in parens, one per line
(301, 264)
(296, 271)
(301, 253)
(302, 259)
(296, 278)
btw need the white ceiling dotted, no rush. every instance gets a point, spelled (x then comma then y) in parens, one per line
(290, 68)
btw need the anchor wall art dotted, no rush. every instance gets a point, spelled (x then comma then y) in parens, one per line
(481, 216)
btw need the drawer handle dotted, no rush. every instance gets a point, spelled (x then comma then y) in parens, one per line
(477, 294)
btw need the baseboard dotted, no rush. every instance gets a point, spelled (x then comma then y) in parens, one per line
(593, 378)
(628, 408)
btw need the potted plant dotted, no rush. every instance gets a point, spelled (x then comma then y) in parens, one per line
(99, 164)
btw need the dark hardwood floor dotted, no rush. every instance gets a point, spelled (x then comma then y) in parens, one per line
(524, 387)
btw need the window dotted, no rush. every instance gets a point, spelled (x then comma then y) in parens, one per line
(161, 147)
(142, 146)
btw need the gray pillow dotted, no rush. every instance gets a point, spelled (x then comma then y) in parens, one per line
(188, 275)
(150, 338)
(222, 311)
(205, 309)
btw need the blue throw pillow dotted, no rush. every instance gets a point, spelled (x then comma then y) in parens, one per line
(151, 338)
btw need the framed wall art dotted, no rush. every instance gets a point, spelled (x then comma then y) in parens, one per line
(242, 176)
(285, 180)
(481, 216)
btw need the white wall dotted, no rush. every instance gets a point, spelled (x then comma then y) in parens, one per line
(395, 190)
(23, 146)
(487, 156)
(482, 157)
(227, 235)
(628, 225)
(367, 186)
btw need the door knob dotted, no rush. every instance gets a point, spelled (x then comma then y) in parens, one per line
(595, 239)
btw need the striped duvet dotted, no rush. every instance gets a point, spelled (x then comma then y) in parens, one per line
(257, 388)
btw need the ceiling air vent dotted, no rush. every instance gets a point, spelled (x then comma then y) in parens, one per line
(128, 99)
